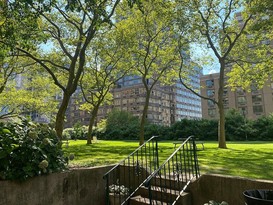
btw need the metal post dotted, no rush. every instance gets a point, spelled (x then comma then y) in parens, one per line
(195, 157)
(107, 191)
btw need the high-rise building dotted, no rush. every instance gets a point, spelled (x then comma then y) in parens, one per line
(252, 104)
(187, 104)
(167, 104)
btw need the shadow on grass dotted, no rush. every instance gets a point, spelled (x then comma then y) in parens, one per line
(251, 163)
(251, 159)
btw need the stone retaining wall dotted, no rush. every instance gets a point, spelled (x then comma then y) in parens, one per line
(224, 188)
(75, 187)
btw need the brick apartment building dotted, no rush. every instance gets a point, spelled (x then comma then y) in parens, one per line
(168, 104)
(252, 104)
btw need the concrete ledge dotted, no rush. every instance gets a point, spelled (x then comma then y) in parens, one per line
(224, 188)
(83, 186)
(86, 186)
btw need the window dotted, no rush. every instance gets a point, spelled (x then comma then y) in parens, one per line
(209, 83)
(240, 91)
(210, 103)
(257, 109)
(210, 93)
(225, 91)
(253, 88)
(212, 112)
(243, 110)
(225, 101)
(256, 98)
(241, 100)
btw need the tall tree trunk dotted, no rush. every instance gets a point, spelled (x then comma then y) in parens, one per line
(143, 118)
(59, 124)
(91, 123)
(221, 132)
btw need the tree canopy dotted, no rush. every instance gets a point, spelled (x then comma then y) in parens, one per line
(67, 28)
(223, 27)
(152, 40)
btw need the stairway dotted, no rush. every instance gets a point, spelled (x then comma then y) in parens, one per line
(151, 183)
(163, 194)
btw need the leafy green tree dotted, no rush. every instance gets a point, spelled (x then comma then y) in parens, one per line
(152, 41)
(68, 28)
(27, 90)
(121, 125)
(104, 69)
(213, 23)
(253, 54)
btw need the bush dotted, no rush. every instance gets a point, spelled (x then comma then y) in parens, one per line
(235, 125)
(156, 130)
(120, 125)
(28, 149)
(202, 129)
(262, 129)
(77, 132)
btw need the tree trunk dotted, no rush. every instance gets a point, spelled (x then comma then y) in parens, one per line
(59, 124)
(143, 118)
(91, 123)
(221, 132)
(2, 88)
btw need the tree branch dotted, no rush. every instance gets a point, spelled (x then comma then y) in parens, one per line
(44, 66)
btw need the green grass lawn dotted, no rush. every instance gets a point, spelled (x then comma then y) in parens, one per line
(244, 159)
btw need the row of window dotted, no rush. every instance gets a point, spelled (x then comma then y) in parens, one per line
(240, 100)
(189, 114)
(189, 107)
(183, 100)
(257, 110)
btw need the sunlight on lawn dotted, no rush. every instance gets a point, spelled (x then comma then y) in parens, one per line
(245, 159)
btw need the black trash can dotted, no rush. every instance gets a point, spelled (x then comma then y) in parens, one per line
(258, 197)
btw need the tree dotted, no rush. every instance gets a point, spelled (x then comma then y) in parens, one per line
(152, 42)
(30, 91)
(6, 73)
(121, 124)
(214, 23)
(68, 27)
(253, 54)
(107, 66)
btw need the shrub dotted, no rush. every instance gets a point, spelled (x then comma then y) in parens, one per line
(235, 125)
(156, 130)
(262, 128)
(28, 149)
(77, 132)
(121, 125)
(203, 129)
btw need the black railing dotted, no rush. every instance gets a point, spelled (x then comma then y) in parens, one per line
(170, 180)
(124, 179)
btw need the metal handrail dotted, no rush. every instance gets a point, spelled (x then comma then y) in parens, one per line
(128, 175)
(121, 162)
(167, 170)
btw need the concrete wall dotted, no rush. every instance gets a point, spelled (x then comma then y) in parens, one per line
(224, 188)
(74, 187)
(86, 187)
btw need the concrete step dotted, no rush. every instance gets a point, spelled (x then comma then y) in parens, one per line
(159, 193)
(173, 181)
(139, 200)
(161, 196)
